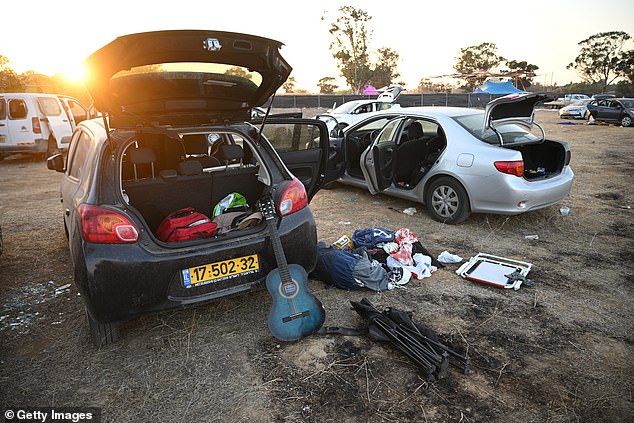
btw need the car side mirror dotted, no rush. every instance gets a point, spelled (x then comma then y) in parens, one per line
(56, 162)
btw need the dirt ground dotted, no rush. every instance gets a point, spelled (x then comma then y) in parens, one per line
(559, 351)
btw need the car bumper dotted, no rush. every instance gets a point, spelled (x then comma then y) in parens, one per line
(35, 146)
(573, 115)
(506, 194)
(121, 281)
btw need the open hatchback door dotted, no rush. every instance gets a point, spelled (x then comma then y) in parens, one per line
(184, 77)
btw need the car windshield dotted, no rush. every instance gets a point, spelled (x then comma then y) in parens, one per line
(346, 107)
(512, 133)
(628, 104)
(581, 103)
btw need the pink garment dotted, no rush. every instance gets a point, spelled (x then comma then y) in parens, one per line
(404, 238)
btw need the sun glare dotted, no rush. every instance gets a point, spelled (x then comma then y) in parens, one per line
(76, 74)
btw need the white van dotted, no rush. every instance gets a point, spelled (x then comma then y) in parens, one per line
(38, 123)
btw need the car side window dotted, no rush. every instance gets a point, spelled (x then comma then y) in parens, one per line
(388, 132)
(17, 109)
(77, 110)
(77, 156)
(292, 137)
(3, 109)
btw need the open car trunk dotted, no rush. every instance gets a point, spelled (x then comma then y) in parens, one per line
(543, 160)
(160, 175)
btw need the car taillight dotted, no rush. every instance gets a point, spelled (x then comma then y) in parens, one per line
(512, 168)
(37, 128)
(292, 198)
(106, 226)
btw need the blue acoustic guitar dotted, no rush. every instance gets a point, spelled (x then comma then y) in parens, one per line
(295, 312)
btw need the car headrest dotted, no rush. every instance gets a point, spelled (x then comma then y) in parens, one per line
(196, 144)
(190, 167)
(230, 152)
(141, 155)
(415, 130)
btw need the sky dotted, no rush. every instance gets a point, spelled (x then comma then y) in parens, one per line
(52, 37)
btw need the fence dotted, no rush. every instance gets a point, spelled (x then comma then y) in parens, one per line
(405, 100)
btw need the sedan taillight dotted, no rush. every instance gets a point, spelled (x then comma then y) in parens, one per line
(105, 226)
(292, 198)
(512, 168)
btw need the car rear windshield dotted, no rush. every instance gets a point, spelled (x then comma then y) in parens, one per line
(512, 133)
(182, 68)
(49, 106)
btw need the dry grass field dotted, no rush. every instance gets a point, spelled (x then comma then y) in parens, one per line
(559, 351)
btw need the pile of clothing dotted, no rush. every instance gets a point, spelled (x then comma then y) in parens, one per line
(375, 259)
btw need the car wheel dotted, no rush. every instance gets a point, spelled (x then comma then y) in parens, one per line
(447, 200)
(626, 121)
(102, 334)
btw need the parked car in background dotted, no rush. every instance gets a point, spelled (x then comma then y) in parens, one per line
(353, 111)
(179, 137)
(619, 110)
(458, 161)
(576, 110)
(38, 123)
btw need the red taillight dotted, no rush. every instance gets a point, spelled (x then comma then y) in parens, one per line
(37, 128)
(106, 226)
(512, 168)
(292, 198)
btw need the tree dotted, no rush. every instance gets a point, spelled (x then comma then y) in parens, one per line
(525, 68)
(289, 85)
(238, 71)
(473, 58)
(9, 79)
(385, 70)
(599, 58)
(625, 67)
(327, 85)
(350, 46)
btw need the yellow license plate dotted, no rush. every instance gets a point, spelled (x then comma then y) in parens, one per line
(220, 271)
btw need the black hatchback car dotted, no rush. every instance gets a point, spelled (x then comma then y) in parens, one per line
(175, 133)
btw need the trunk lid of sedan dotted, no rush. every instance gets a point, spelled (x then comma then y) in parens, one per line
(513, 109)
(184, 77)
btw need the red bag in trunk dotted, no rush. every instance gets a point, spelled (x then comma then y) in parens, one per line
(185, 224)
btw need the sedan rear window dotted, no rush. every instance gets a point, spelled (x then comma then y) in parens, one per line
(511, 133)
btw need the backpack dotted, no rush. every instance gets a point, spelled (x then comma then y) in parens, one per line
(185, 224)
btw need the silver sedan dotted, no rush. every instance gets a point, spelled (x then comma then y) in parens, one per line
(457, 160)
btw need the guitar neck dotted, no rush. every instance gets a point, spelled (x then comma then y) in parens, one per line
(280, 258)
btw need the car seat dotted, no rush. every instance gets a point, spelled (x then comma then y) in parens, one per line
(197, 148)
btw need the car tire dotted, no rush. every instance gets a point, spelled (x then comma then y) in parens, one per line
(447, 200)
(102, 334)
(626, 121)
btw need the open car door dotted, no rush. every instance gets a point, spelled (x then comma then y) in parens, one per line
(377, 161)
(304, 147)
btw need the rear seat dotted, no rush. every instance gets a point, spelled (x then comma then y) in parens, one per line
(190, 186)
